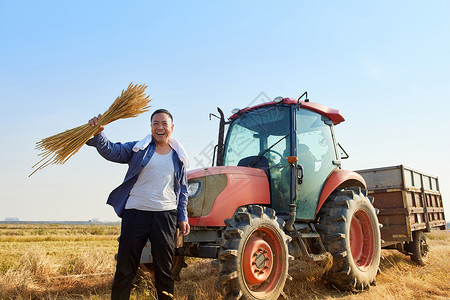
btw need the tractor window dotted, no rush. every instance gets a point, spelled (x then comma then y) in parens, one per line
(255, 131)
(240, 143)
(315, 152)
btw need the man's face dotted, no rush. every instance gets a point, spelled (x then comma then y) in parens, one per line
(162, 128)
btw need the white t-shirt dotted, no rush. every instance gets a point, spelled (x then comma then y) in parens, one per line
(154, 188)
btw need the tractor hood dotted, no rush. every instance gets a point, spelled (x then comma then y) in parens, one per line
(215, 193)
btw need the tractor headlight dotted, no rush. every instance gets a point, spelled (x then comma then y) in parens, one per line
(194, 188)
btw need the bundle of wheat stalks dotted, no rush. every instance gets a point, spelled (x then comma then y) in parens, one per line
(57, 149)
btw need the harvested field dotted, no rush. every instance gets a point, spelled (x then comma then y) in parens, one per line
(77, 262)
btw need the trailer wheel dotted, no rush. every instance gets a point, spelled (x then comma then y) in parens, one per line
(419, 248)
(350, 231)
(253, 258)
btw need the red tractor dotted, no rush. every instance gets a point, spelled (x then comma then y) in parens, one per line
(278, 193)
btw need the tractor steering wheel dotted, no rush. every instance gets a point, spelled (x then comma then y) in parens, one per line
(277, 153)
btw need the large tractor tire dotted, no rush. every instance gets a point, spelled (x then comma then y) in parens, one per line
(349, 228)
(419, 248)
(254, 258)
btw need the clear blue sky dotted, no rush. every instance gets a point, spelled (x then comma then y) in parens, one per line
(384, 64)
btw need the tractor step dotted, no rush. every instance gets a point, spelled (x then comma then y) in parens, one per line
(309, 243)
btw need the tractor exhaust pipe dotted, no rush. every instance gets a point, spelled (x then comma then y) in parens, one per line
(222, 124)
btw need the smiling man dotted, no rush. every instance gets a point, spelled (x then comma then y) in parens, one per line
(151, 201)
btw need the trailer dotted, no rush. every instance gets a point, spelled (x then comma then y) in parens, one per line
(409, 204)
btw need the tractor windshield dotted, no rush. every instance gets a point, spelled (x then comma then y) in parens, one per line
(261, 138)
(253, 132)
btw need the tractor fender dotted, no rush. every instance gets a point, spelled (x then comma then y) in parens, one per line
(340, 179)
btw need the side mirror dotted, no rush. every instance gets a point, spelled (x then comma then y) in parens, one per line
(342, 153)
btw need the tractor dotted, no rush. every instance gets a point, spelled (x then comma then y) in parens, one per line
(276, 193)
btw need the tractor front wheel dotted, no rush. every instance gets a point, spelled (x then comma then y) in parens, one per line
(254, 256)
(349, 227)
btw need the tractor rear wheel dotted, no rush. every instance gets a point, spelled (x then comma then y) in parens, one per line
(419, 248)
(253, 258)
(350, 231)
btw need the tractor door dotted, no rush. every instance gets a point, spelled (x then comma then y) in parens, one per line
(316, 153)
(261, 138)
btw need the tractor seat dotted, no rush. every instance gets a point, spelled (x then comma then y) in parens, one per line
(256, 162)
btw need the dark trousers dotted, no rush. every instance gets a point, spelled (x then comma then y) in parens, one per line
(137, 227)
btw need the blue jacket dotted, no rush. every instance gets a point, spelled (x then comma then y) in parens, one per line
(123, 153)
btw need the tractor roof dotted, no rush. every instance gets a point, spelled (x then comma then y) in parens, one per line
(334, 114)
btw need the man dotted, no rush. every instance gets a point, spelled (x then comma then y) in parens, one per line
(151, 201)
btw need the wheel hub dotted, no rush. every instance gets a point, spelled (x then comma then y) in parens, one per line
(257, 261)
(260, 261)
(423, 248)
(362, 237)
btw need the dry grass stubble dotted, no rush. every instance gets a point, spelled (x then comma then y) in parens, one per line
(39, 274)
(399, 278)
(43, 274)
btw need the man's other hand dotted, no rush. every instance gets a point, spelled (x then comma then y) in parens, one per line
(184, 228)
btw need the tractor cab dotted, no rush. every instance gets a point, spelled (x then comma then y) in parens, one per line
(267, 135)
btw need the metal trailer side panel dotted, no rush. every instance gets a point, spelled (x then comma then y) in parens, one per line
(424, 200)
(387, 187)
(408, 200)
